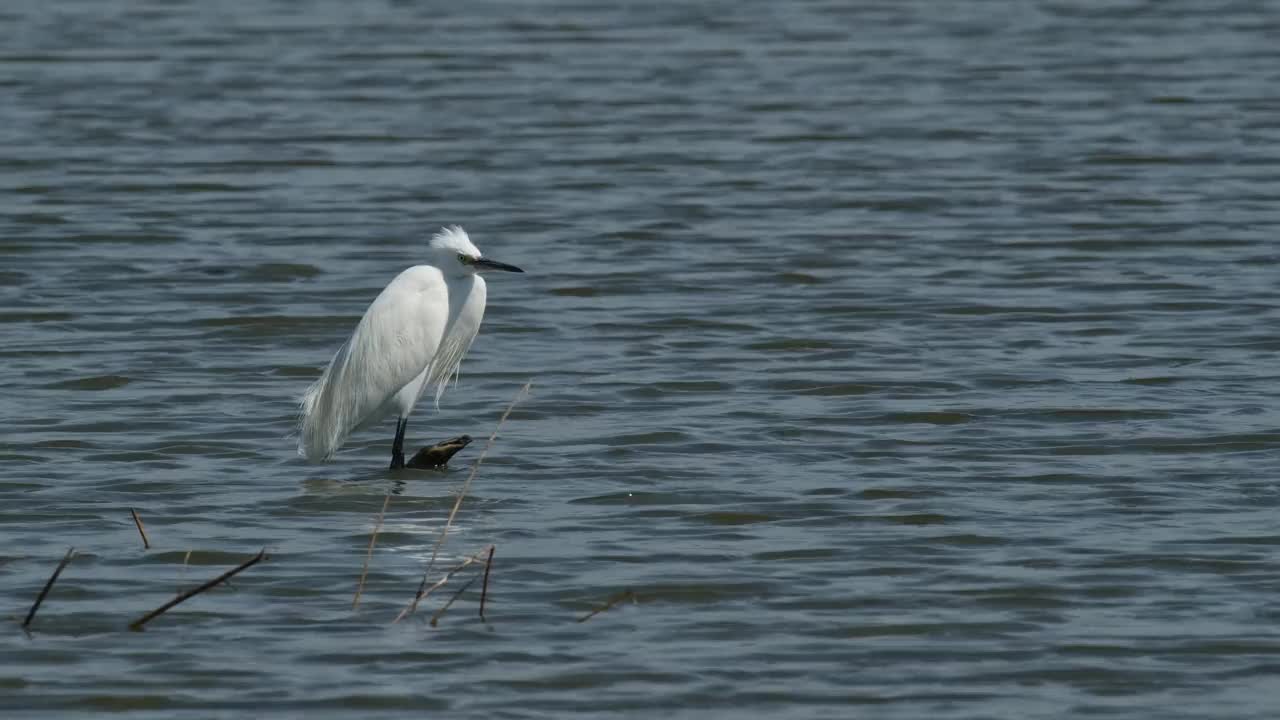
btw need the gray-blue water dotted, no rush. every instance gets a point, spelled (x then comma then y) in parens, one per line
(904, 358)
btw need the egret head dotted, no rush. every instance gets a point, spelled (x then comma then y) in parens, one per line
(456, 255)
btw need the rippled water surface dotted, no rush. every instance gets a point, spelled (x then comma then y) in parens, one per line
(904, 359)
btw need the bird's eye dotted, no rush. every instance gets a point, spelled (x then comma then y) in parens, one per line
(464, 259)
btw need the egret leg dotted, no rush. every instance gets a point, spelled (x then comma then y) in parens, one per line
(397, 445)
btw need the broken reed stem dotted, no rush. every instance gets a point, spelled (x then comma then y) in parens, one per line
(466, 486)
(475, 467)
(47, 587)
(624, 595)
(185, 560)
(364, 572)
(484, 589)
(425, 591)
(183, 596)
(146, 544)
(435, 618)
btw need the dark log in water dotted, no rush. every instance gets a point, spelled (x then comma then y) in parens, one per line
(437, 456)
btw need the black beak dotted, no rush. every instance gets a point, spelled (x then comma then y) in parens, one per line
(487, 264)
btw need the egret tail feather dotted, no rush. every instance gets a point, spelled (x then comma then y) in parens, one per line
(323, 423)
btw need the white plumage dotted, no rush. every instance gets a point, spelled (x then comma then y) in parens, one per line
(413, 336)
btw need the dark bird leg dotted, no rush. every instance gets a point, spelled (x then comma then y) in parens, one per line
(397, 445)
(437, 456)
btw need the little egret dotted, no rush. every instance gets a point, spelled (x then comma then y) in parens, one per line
(413, 336)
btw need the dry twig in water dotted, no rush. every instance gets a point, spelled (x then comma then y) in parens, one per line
(364, 572)
(424, 592)
(435, 618)
(183, 596)
(484, 589)
(624, 595)
(146, 544)
(435, 551)
(47, 587)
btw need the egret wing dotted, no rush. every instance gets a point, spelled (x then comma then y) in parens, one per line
(393, 343)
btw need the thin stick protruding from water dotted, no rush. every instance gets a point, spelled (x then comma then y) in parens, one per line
(71, 552)
(484, 589)
(466, 486)
(186, 559)
(187, 595)
(146, 544)
(364, 572)
(423, 593)
(435, 617)
(624, 595)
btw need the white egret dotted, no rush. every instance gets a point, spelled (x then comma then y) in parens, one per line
(412, 337)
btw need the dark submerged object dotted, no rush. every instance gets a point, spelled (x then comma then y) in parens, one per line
(437, 456)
